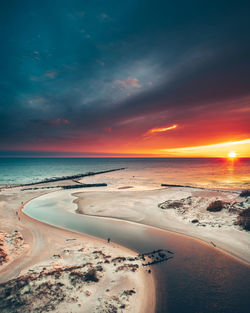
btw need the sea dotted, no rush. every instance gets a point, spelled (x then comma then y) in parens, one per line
(139, 172)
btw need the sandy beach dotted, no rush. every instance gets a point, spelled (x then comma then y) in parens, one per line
(144, 207)
(64, 270)
(63, 260)
(124, 156)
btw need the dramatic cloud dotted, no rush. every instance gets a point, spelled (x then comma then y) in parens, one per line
(96, 77)
(128, 83)
(58, 121)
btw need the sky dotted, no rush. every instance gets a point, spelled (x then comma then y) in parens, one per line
(124, 78)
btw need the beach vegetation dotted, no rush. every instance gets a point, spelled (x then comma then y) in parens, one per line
(244, 219)
(171, 204)
(245, 193)
(91, 275)
(216, 206)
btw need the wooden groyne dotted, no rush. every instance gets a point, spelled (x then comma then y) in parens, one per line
(79, 185)
(71, 177)
(84, 186)
(169, 185)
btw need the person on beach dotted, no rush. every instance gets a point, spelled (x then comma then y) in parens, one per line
(108, 240)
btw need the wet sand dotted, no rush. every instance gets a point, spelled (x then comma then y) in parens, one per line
(215, 228)
(197, 278)
(44, 242)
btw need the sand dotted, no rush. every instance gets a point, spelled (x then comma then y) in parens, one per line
(217, 228)
(65, 271)
(50, 266)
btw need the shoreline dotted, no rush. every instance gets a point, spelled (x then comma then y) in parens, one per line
(177, 237)
(201, 240)
(38, 234)
(146, 306)
(173, 224)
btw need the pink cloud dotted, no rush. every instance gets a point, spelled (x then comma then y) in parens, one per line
(128, 83)
(108, 129)
(59, 121)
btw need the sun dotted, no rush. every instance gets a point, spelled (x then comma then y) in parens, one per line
(232, 155)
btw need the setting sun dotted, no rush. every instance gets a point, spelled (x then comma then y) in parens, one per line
(232, 154)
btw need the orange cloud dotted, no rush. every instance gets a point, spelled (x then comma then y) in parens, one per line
(162, 129)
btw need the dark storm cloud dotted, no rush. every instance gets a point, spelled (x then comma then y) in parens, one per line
(99, 64)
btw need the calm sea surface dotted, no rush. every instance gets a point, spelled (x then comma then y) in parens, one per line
(219, 173)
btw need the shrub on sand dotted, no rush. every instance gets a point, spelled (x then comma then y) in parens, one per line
(244, 219)
(245, 193)
(215, 206)
(91, 275)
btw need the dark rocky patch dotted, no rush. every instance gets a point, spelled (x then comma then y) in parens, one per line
(156, 256)
(195, 221)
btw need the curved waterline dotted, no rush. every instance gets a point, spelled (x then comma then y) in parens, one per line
(186, 283)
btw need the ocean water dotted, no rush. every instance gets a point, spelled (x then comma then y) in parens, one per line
(143, 172)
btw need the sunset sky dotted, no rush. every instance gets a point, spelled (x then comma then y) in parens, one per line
(125, 78)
